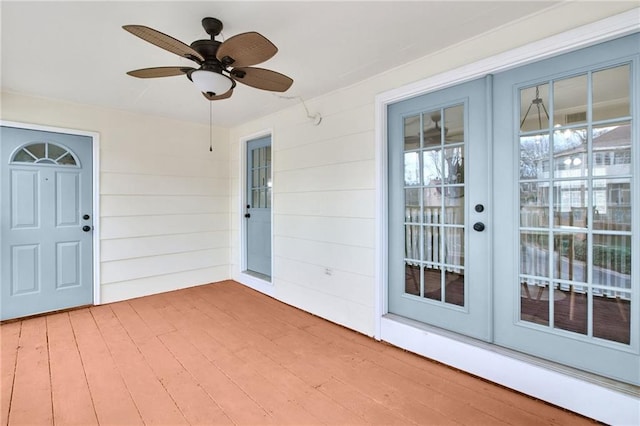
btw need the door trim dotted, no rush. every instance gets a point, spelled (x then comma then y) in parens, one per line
(95, 153)
(249, 280)
(467, 354)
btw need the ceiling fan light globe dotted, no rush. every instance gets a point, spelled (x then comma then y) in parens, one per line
(211, 82)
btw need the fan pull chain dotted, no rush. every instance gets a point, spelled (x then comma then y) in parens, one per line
(210, 127)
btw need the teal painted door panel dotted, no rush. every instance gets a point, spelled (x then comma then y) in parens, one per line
(566, 189)
(47, 189)
(438, 170)
(258, 208)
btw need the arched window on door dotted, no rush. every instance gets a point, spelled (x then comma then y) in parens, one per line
(45, 153)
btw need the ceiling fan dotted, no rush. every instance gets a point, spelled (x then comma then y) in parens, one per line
(221, 64)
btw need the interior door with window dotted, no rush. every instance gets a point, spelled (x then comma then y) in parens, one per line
(566, 180)
(47, 228)
(438, 209)
(258, 208)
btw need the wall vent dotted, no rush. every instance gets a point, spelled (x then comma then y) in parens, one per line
(576, 117)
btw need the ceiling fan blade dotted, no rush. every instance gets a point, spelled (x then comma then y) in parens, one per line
(164, 41)
(225, 95)
(261, 78)
(159, 72)
(245, 49)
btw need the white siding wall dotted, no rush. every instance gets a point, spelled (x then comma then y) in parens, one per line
(164, 198)
(324, 182)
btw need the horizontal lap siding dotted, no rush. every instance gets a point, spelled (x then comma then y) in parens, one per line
(323, 212)
(165, 223)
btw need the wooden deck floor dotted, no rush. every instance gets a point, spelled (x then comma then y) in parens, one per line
(224, 354)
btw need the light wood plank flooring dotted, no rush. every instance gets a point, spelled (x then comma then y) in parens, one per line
(224, 354)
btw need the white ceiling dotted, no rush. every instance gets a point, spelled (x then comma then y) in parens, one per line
(77, 50)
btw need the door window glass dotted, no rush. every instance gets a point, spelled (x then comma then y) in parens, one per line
(261, 178)
(434, 205)
(44, 153)
(575, 204)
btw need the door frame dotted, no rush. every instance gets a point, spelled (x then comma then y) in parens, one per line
(518, 371)
(95, 208)
(243, 277)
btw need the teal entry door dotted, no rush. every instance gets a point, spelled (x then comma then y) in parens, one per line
(258, 208)
(438, 209)
(46, 204)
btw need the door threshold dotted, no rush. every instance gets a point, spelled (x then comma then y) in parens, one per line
(260, 276)
(41, 314)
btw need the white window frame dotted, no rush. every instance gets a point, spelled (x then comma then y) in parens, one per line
(604, 400)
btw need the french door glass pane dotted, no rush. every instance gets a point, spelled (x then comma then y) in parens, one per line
(611, 315)
(432, 166)
(569, 256)
(575, 242)
(570, 100)
(612, 149)
(534, 204)
(432, 129)
(570, 153)
(570, 304)
(534, 301)
(454, 124)
(611, 256)
(454, 288)
(534, 114)
(412, 132)
(535, 158)
(411, 168)
(534, 254)
(611, 93)
(434, 205)
(612, 206)
(570, 200)
(432, 283)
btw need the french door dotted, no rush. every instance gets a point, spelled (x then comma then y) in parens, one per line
(559, 215)
(438, 195)
(566, 187)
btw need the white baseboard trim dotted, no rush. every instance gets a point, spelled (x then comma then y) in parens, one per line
(602, 403)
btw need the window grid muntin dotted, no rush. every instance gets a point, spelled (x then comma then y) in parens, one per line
(261, 178)
(590, 180)
(420, 224)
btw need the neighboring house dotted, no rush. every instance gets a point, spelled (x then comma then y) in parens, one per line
(535, 290)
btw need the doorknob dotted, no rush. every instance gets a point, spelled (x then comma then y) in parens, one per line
(247, 215)
(86, 228)
(478, 226)
(86, 217)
